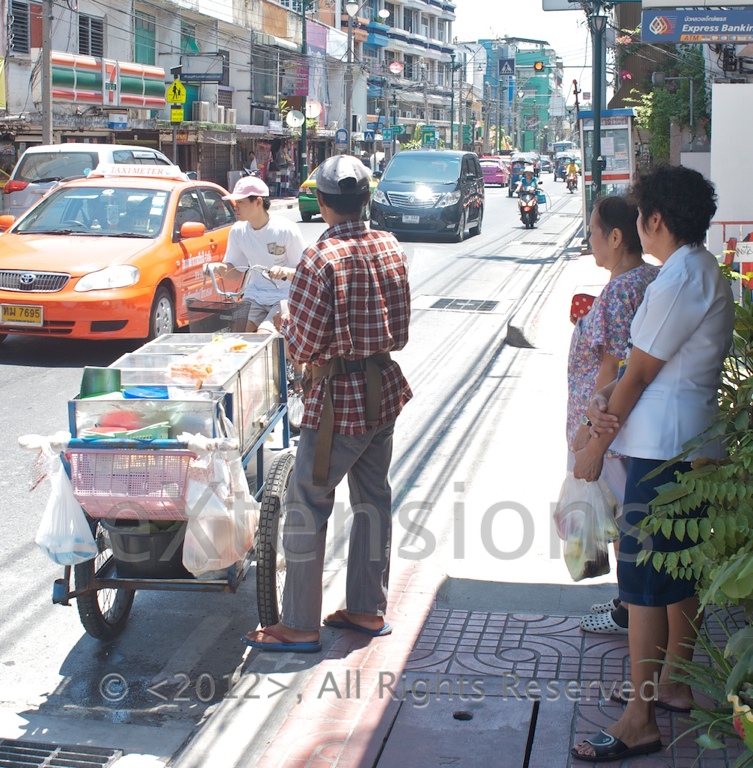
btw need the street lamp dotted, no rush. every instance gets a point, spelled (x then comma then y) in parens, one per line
(351, 9)
(394, 120)
(452, 99)
(598, 22)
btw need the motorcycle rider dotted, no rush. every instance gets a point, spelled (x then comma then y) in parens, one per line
(526, 189)
(571, 174)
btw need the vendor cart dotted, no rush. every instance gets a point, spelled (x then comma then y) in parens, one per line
(130, 466)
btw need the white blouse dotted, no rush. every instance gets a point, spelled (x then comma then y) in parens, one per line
(686, 319)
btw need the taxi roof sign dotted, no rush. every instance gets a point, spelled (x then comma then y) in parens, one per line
(124, 170)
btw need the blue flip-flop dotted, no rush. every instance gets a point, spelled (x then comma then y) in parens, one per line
(343, 622)
(282, 645)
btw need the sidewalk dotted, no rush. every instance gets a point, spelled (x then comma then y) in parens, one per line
(471, 687)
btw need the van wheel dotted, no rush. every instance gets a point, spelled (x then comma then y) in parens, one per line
(476, 228)
(460, 234)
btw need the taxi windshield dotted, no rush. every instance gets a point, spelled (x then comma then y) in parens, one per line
(103, 211)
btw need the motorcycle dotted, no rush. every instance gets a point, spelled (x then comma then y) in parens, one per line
(572, 183)
(528, 207)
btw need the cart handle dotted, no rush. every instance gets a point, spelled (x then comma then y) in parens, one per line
(126, 443)
(210, 269)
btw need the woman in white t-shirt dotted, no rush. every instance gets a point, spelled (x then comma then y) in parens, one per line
(680, 336)
(259, 238)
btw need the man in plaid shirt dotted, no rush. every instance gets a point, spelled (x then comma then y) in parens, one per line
(349, 308)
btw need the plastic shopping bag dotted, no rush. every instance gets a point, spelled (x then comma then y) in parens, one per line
(585, 521)
(64, 534)
(222, 513)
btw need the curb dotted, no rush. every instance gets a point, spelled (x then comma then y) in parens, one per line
(281, 204)
(522, 326)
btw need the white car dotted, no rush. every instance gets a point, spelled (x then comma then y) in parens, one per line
(44, 167)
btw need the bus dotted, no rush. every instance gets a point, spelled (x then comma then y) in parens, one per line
(562, 146)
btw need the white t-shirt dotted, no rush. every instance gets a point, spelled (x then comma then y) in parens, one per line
(278, 243)
(686, 319)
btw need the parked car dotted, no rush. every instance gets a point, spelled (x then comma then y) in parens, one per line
(44, 167)
(308, 204)
(430, 192)
(494, 171)
(546, 164)
(112, 256)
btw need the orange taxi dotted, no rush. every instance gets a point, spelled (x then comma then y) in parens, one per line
(112, 256)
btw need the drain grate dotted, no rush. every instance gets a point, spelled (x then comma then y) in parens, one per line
(465, 305)
(27, 754)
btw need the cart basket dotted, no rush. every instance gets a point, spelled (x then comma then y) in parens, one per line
(131, 483)
(217, 316)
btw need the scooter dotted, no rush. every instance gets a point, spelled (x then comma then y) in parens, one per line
(528, 207)
(572, 183)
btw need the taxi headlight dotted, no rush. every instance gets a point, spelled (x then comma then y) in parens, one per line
(379, 197)
(110, 277)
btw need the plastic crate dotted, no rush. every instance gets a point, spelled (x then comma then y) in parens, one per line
(217, 316)
(130, 484)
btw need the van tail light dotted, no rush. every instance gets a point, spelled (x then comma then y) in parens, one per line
(14, 186)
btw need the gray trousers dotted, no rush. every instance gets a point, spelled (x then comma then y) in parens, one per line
(365, 459)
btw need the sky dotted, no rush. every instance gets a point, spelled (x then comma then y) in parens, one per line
(565, 31)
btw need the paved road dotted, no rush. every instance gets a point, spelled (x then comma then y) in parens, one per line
(446, 474)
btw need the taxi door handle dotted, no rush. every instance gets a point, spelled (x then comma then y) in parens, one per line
(213, 244)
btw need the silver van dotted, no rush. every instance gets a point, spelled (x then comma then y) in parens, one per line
(44, 167)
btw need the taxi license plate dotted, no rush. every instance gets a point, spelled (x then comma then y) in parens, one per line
(21, 314)
(409, 219)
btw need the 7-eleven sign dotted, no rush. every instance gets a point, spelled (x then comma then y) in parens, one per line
(110, 83)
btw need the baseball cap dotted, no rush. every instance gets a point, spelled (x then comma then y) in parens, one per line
(342, 175)
(248, 186)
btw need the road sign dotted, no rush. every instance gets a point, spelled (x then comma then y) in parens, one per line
(341, 136)
(176, 113)
(467, 134)
(368, 136)
(386, 134)
(507, 66)
(428, 136)
(175, 93)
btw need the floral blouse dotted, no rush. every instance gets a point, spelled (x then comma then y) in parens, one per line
(605, 329)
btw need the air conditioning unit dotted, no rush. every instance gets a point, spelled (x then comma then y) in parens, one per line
(260, 116)
(200, 111)
(333, 125)
(220, 113)
(231, 117)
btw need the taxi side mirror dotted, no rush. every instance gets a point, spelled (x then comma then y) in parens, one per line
(6, 222)
(192, 229)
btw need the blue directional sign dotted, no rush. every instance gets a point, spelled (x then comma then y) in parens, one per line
(341, 136)
(368, 136)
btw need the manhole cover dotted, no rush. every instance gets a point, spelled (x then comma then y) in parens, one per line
(28, 754)
(465, 305)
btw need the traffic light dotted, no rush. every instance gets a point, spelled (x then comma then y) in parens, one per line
(538, 66)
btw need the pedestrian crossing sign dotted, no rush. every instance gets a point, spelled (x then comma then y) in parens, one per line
(507, 66)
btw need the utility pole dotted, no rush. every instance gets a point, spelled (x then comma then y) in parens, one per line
(47, 72)
(452, 99)
(303, 167)
(488, 121)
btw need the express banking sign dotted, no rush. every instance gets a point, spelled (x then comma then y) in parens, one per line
(697, 26)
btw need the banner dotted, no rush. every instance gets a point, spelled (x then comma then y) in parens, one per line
(697, 26)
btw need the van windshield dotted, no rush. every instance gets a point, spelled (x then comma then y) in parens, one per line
(55, 166)
(412, 169)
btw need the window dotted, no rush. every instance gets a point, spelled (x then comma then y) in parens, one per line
(144, 38)
(221, 212)
(189, 209)
(91, 36)
(408, 21)
(411, 70)
(188, 42)
(225, 67)
(24, 27)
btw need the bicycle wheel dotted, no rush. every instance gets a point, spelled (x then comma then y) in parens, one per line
(104, 613)
(270, 556)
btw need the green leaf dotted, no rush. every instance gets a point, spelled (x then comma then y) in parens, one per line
(704, 528)
(666, 528)
(680, 530)
(692, 529)
(707, 741)
(658, 560)
(673, 493)
(685, 557)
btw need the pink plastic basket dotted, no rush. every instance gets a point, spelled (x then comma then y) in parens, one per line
(130, 484)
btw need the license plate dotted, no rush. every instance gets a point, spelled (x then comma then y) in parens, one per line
(18, 314)
(409, 219)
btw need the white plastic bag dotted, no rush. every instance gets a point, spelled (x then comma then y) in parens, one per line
(222, 513)
(585, 521)
(64, 534)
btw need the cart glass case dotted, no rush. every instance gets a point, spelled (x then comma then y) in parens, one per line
(247, 381)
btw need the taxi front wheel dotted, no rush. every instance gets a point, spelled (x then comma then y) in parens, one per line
(162, 316)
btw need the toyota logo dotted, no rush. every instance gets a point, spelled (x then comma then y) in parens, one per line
(27, 278)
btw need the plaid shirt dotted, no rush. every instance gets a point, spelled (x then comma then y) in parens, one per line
(350, 298)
